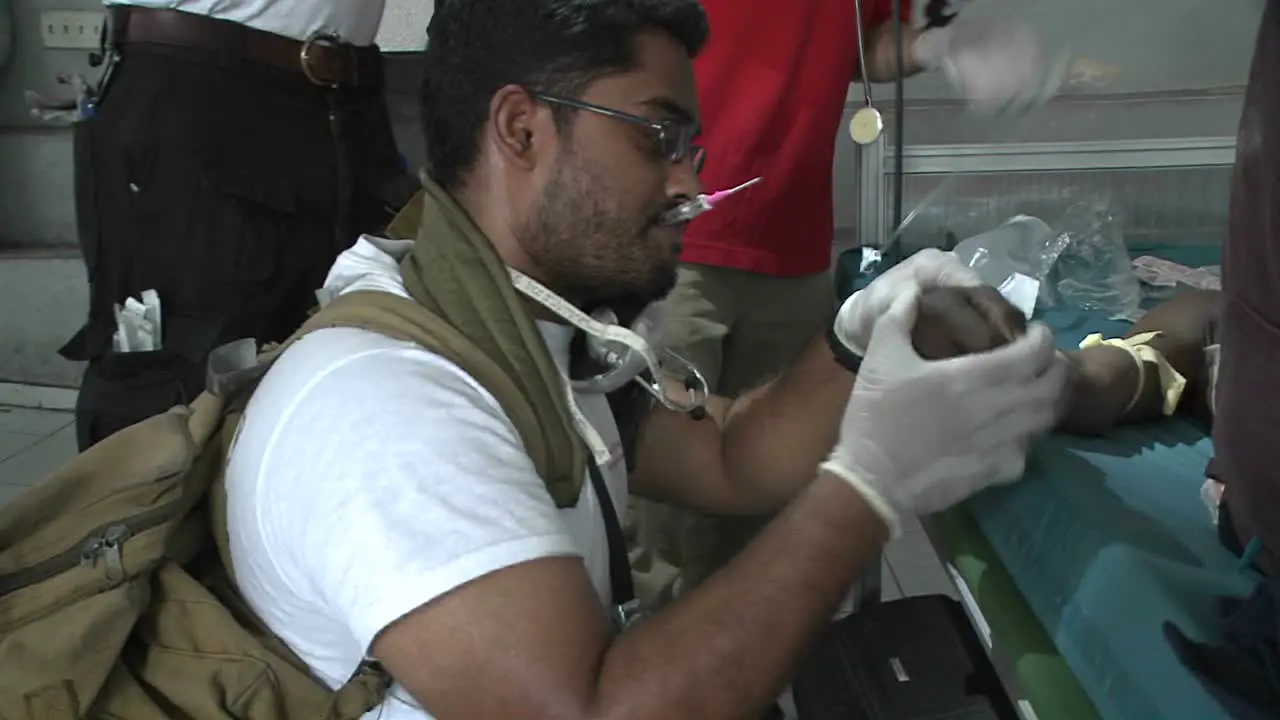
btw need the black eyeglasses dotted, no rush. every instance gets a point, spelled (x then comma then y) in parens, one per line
(675, 138)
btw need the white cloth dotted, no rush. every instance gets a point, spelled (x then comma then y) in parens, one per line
(371, 476)
(355, 21)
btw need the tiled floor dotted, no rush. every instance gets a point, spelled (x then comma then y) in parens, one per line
(33, 443)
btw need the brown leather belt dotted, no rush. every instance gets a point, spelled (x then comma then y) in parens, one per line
(323, 59)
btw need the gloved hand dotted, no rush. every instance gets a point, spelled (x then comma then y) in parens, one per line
(926, 270)
(919, 436)
(998, 67)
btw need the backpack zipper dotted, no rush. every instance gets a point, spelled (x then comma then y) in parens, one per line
(103, 544)
(107, 547)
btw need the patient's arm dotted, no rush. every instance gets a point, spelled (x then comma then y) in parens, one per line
(958, 322)
(1185, 324)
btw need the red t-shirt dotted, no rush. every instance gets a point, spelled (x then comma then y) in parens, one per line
(772, 81)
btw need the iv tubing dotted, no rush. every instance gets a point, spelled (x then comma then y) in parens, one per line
(899, 120)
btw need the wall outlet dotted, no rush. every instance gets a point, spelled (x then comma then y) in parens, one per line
(72, 29)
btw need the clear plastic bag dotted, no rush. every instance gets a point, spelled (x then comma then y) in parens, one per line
(1011, 258)
(1090, 263)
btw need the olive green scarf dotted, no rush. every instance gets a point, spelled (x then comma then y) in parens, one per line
(455, 273)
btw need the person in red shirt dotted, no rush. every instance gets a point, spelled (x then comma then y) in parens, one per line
(754, 286)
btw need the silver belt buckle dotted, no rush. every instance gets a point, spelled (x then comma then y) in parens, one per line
(306, 58)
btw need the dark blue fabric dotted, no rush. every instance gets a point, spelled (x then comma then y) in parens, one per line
(1242, 671)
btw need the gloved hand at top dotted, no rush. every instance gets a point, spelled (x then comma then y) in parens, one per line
(997, 66)
(919, 436)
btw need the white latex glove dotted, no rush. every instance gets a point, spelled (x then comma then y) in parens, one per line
(998, 67)
(928, 269)
(919, 436)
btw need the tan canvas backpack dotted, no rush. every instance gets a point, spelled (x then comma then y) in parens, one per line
(116, 598)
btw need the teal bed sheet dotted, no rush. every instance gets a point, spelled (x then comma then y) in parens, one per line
(1107, 539)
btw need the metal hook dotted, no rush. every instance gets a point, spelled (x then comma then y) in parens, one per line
(695, 384)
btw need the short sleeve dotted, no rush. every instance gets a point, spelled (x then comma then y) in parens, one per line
(383, 479)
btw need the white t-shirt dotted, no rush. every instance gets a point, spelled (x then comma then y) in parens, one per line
(371, 476)
(355, 21)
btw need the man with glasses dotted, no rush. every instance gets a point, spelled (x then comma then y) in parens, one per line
(674, 134)
(382, 505)
(754, 286)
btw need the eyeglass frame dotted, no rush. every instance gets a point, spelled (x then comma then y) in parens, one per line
(666, 131)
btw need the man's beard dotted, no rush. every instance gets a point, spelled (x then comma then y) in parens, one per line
(589, 253)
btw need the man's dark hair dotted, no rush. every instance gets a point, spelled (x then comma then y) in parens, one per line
(556, 47)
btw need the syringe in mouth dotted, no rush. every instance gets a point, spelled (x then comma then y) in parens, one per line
(687, 211)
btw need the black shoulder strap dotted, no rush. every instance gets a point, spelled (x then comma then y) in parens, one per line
(630, 405)
(619, 566)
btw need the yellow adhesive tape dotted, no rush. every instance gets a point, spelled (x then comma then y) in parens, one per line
(1172, 383)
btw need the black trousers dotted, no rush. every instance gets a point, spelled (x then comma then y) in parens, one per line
(228, 187)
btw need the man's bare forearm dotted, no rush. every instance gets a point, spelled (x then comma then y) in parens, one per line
(775, 436)
(881, 64)
(727, 649)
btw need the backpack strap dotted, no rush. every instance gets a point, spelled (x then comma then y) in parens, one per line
(235, 369)
(365, 690)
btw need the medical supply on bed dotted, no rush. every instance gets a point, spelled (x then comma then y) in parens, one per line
(1163, 273)
(871, 259)
(1009, 259)
(1172, 383)
(1211, 493)
(1091, 268)
(704, 202)
(138, 324)
(856, 268)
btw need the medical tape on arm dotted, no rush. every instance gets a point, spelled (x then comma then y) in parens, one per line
(1172, 383)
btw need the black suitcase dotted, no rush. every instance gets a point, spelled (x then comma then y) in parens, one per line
(912, 659)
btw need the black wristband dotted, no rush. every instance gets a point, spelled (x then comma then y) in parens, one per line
(848, 359)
